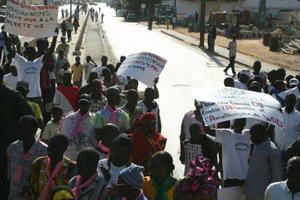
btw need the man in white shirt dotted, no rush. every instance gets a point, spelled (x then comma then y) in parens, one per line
(88, 67)
(10, 80)
(99, 69)
(235, 152)
(243, 78)
(78, 128)
(291, 131)
(232, 54)
(289, 189)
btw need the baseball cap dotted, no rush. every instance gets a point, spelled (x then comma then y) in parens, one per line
(293, 82)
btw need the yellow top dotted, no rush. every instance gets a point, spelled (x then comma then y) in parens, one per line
(150, 192)
(77, 72)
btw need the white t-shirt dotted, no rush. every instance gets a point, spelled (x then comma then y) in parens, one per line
(29, 71)
(113, 170)
(232, 48)
(235, 152)
(87, 69)
(280, 191)
(99, 70)
(10, 81)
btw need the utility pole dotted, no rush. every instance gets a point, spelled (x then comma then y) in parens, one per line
(45, 2)
(202, 22)
(70, 9)
(262, 13)
(151, 13)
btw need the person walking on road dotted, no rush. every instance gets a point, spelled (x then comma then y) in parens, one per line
(102, 16)
(212, 34)
(232, 54)
(96, 16)
(76, 25)
(67, 13)
(62, 13)
(69, 26)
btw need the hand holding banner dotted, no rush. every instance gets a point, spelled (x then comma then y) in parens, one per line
(144, 66)
(30, 21)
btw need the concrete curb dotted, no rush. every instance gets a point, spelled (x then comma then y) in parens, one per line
(203, 49)
(78, 45)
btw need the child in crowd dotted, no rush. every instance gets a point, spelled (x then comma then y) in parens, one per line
(199, 144)
(52, 126)
(119, 159)
(105, 139)
(130, 184)
(50, 171)
(21, 153)
(87, 185)
(160, 184)
(200, 183)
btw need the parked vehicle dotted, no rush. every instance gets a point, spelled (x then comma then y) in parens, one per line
(121, 13)
(163, 12)
(131, 16)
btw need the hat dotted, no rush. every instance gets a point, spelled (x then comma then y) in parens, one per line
(113, 91)
(22, 84)
(123, 140)
(293, 82)
(133, 176)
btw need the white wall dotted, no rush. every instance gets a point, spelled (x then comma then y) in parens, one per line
(273, 4)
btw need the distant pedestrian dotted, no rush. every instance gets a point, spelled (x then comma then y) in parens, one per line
(76, 25)
(62, 13)
(77, 72)
(63, 27)
(212, 34)
(69, 26)
(89, 66)
(232, 54)
(96, 16)
(102, 16)
(67, 13)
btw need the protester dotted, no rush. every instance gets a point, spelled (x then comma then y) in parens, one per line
(75, 25)
(67, 95)
(10, 80)
(98, 100)
(148, 104)
(77, 72)
(119, 159)
(131, 107)
(130, 184)
(103, 65)
(160, 184)
(52, 126)
(23, 88)
(107, 77)
(63, 28)
(146, 140)
(63, 46)
(111, 113)
(198, 144)
(212, 34)
(288, 189)
(105, 139)
(77, 126)
(87, 185)
(264, 166)
(69, 27)
(102, 16)
(241, 82)
(96, 16)
(50, 171)
(232, 46)
(21, 153)
(62, 193)
(12, 107)
(89, 66)
(59, 65)
(235, 152)
(86, 89)
(200, 183)
(291, 118)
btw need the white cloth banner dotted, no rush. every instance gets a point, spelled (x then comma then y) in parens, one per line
(222, 104)
(144, 66)
(31, 21)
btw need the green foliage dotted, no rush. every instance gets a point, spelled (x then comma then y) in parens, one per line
(2, 2)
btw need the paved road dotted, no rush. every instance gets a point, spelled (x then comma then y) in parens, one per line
(187, 68)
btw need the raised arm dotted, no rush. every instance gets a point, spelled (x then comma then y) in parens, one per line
(52, 47)
(156, 89)
(7, 42)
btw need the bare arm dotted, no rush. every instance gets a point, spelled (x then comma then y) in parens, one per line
(52, 47)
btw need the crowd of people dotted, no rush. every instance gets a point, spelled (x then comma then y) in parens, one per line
(102, 140)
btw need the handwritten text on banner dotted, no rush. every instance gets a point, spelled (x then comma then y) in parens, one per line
(222, 104)
(30, 21)
(143, 66)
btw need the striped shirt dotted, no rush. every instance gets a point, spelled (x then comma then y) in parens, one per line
(16, 159)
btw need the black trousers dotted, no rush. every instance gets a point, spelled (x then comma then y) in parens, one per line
(233, 182)
(231, 64)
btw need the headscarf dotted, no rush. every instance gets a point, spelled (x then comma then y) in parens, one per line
(133, 176)
(201, 178)
(144, 120)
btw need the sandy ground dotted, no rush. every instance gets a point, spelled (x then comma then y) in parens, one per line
(254, 47)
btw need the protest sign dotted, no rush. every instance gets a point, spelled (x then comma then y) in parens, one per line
(222, 104)
(144, 66)
(231, 193)
(30, 21)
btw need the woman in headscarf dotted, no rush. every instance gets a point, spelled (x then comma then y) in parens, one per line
(146, 140)
(201, 182)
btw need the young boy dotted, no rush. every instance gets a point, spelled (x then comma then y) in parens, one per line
(50, 171)
(52, 126)
(87, 185)
(77, 72)
(105, 139)
(21, 154)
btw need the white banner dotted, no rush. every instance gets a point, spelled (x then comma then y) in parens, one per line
(222, 104)
(31, 21)
(144, 66)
